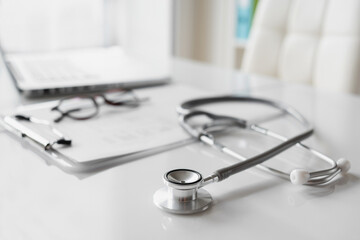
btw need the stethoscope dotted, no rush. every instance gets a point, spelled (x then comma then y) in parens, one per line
(183, 192)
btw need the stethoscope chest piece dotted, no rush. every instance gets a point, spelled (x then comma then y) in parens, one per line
(182, 194)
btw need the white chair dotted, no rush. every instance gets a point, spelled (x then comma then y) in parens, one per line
(309, 41)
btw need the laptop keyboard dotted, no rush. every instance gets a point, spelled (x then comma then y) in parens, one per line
(57, 70)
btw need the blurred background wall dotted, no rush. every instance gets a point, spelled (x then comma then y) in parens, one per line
(304, 41)
(205, 30)
(210, 31)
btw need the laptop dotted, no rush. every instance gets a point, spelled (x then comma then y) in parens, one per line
(82, 70)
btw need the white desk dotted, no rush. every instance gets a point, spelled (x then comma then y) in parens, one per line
(38, 201)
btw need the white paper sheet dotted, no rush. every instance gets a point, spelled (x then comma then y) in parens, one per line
(120, 130)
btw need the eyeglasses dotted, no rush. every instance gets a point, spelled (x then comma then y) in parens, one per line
(86, 106)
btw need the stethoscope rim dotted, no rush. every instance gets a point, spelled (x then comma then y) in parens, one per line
(199, 177)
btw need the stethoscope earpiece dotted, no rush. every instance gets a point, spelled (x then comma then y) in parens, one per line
(344, 165)
(299, 176)
(304, 177)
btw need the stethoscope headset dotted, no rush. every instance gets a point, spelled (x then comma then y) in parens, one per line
(183, 192)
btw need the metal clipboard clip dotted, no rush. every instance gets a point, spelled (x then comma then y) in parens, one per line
(13, 125)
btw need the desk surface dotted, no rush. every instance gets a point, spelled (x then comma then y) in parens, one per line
(38, 201)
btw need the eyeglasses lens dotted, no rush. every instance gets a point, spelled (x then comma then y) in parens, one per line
(79, 107)
(121, 97)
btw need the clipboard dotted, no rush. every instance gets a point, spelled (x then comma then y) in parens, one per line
(116, 135)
